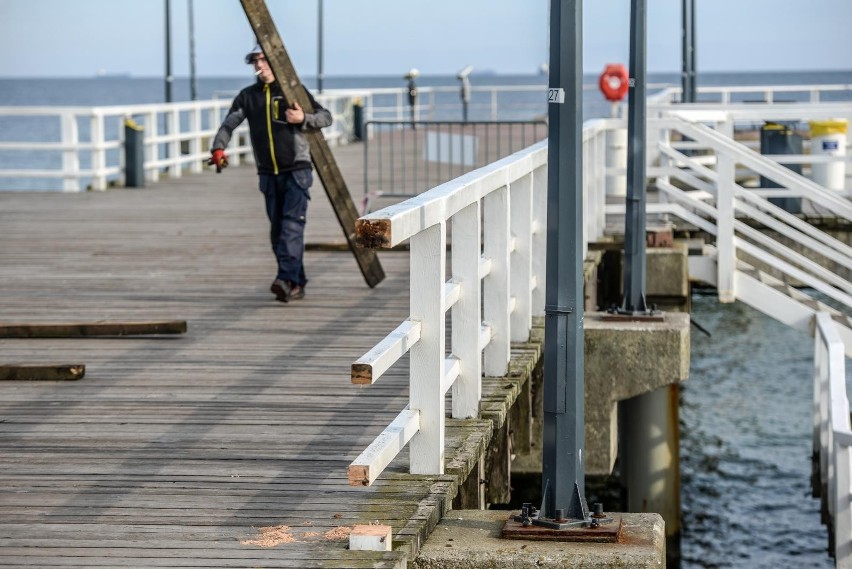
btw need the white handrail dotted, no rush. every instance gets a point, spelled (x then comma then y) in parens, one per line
(176, 138)
(489, 246)
(833, 434)
(488, 308)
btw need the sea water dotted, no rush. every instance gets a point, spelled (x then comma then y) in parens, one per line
(746, 444)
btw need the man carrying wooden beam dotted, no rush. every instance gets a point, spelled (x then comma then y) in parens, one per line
(283, 158)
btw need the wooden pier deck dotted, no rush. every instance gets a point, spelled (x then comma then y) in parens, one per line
(226, 446)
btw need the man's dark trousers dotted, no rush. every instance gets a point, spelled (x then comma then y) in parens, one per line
(287, 196)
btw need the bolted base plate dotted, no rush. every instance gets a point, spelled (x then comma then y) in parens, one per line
(605, 533)
(635, 317)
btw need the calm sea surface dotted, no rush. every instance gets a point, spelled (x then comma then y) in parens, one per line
(746, 422)
(746, 444)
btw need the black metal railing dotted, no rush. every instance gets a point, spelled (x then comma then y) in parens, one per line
(405, 158)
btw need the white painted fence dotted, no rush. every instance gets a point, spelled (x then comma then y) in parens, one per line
(833, 435)
(88, 149)
(495, 288)
(702, 193)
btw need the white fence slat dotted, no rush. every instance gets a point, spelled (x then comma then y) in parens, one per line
(520, 277)
(725, 237)
(99, 181)
(173, 126)
(364, 470)
(428, 275)
(539, 239)
(451, 373)
(370, 367)
(495, 214)
(70, 157)
(452, 293)
(466, 314)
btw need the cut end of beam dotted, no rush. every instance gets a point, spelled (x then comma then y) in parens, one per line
(373, 234)
(359, 475)
(362, 374)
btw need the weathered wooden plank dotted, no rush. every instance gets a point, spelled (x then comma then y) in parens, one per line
(82, 329)
(321, 155)
(45, 372)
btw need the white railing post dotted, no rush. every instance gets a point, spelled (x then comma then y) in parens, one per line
(98, 152)
(820, 372)
(173, 122)
(494, 104)
(496, 299)
(70, 156)
(467, 312)
(428, 276)
(539, 239)
(520, 259)
(152, 147)
(600, 187)
(195, 166)
(726, 253)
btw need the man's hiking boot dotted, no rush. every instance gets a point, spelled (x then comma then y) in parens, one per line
(281, 290)
(297, 293)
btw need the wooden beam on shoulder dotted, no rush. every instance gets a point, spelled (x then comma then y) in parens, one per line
(321, 155)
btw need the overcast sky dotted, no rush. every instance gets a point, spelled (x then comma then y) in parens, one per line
(62, 38)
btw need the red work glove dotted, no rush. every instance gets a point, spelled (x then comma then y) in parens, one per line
(218, 159)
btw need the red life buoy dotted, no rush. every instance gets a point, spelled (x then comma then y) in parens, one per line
(614, 82)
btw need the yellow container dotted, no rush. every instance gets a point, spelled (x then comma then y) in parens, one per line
(828, 138)
(832, 126)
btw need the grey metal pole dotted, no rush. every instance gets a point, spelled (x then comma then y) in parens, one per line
(169, 77)
(634, 230)
(319, 48)
(686, 48)
(193, 82)
(563, 470)
(693, 40)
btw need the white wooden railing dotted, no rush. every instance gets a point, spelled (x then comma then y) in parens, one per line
(86, 145)
(495, 288)
(767, 93)
(832, 436)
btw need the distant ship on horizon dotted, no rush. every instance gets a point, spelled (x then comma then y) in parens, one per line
(104, 74)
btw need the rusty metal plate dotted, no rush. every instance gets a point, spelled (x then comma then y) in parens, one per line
(605, 533)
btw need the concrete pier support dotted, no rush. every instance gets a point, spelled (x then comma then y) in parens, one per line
(471, 539)
(650, 456)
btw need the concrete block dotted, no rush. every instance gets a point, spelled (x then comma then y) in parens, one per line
(667, 271)
(624, 359)
(471, 539)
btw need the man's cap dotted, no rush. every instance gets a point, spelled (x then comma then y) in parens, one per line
(255, 51)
